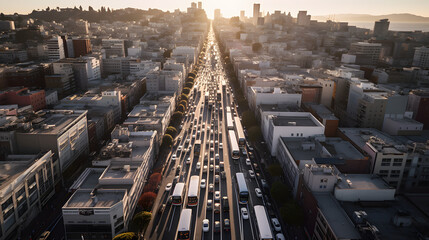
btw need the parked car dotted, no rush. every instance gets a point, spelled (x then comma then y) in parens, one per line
(161, 209)
(280, 236)
(258, 192)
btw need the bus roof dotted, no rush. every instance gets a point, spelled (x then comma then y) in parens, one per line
(233, 140)
(178, 189)
(185, 220)
(262, 221)
(242, 186)
(194, 185)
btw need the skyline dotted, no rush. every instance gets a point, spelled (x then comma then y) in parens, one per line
(317, 8)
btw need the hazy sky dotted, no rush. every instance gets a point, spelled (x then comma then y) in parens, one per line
(232, 7)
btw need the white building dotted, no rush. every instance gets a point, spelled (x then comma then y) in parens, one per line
(56, 48)
(27, 184)
(105, 198)
(421, 57)
(164, 81)
(291, 124)
(259, 95)
(402, 126)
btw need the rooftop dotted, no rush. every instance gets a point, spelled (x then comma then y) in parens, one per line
(322, 111)
(301, 121)
(341, 149)
(103, 198)
(380, 141)
(362, 181)
(381, 215)
(338, 220)
(279, 108)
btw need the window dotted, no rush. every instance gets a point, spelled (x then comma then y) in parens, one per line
(291, 134)
(386, 162)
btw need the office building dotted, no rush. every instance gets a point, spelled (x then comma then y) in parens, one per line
(81, 47)
(421, 57)
(303, 19)
(56, 50)
(24, 97)
(256, 12)
(366, 53)
(6, 25)
(418, 104)
(12, 55)
(85, 69)
(381, 28)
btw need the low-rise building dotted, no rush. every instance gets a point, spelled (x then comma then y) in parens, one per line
(283, 96)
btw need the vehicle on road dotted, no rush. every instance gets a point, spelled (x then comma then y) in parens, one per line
(244, 213)
(243, 192)
(217, 178)
(188, 160)
(183, 229)
(248, 163)
(177, 197)
(217, 196)
(225, 204)
(251, 174)
(198, 166)
(193, 190)
(179, 148)
(205, 168)
(217, 208)
(234, 151)
(258, 192)
(276, 224)
(211, 188)
(206, 224)
(226, 224)
(161, 208)
(168, 187)
(203, 183)
(280, 236)
(216, 226)
(262, 223)
(209, 204)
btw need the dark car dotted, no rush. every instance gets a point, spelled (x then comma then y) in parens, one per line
(226, 224)
(225, 204)
(217, 226)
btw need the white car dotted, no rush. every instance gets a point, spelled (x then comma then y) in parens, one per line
(173, 157)
(217, 156)
(211, 167)
(205, 168)
(179, 148)
(217, 196)
(203, 183)
(258, 192)
(206, 225)
(276, 224)
(248, 162)
(187, 140)
(251, 174)
(193, 136)
(188, 161)
(280, 236)
(168, 187)
(198, 166)
(244, 213)
(220, 145)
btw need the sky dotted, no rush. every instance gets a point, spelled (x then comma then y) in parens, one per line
(231, 8)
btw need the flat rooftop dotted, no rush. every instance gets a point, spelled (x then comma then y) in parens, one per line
(104, 198)
(279, 108)
(13, 168)
(362, 181)
(337, 218)
(381, 215)
(342, 149)
(322, 111)
(295, 147)
(301, 121)
(360, 136)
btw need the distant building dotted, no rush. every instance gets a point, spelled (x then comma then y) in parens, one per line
(85, 69)
(13, 55)
(418, 104)
(421, 57)
(260, 95)
(381, 28)
(217, 14)
(256, 12)
(303, 19)
(24, 97)
(81, 47)
(56, 50)
(6, 25)
(366, 53)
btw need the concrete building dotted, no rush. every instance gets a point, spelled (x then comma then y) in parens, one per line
(56, 48)
(113, 47)
(421, 57)
(62, 132)
(24, 97)
(387, 156)
(256, 12)
(418, 104)
(13, 55)
(325, 116)
(217, 15)
(303, 19)
(291, 124)
(381, 28)
(27, 185)
(107, 99)
(159, 81)
(281, 96)
(104, 199)
(85, 69)
(81, 47)
(22, 75)
(366, 53)
(6, 25)
(402, 126)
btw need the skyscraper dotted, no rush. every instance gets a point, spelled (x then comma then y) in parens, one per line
(381, 28)
(242, 15)
(200, 5)
(256, 10)
(217, 14)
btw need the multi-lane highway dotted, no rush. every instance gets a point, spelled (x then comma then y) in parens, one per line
(205, 121)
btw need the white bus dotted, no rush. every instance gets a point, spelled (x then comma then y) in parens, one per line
(243, 192)
(206, 97)
(264, 228)
(177, 197)
(234, 150)
(228, 109)
(229, 121)
(184, 228)
(194, 187)
(240, 133)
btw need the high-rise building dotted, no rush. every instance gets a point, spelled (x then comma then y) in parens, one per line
(381, 28)
(193, 5)
(56, 48)
(242, 15)
(7, 25)
(81, 47)
(200, 5)
(303, 19)
(256, 11)
(217, 14)
(421, 57)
